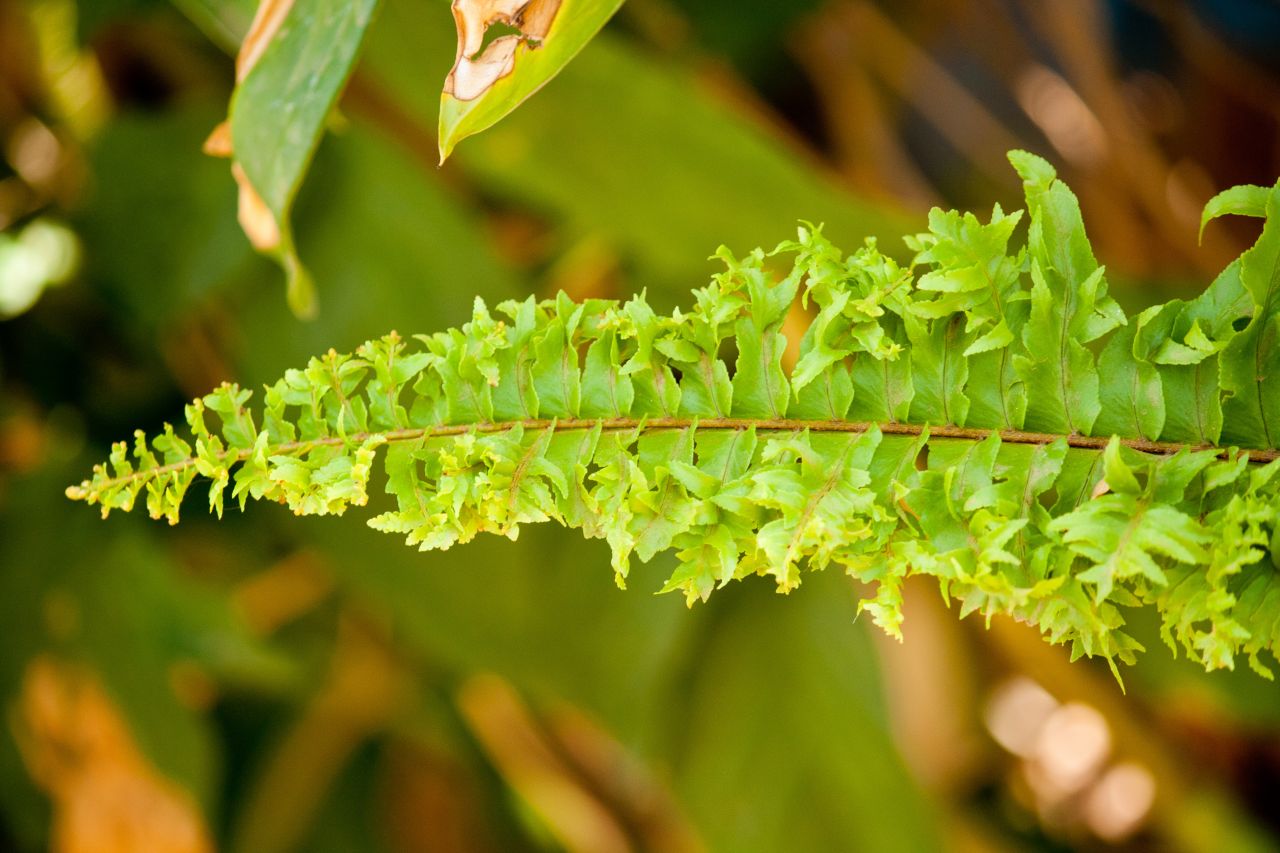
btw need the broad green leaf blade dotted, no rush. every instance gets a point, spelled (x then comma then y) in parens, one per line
(736, 777)
(279, 112)
(488, 81)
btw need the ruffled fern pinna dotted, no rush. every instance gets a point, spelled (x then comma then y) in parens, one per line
(987, 415)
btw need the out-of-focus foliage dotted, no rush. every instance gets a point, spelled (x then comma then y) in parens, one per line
(309, 684)
(294, 59)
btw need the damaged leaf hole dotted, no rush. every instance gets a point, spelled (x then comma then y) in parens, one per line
(489, 33)
(497, 30)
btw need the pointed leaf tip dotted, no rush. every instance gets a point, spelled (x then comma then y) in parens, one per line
(489, 80)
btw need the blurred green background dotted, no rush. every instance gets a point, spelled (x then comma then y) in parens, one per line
(269, 683)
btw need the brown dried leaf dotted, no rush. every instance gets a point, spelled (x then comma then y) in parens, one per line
(478, 66)
(1100, 489)
(256, 218)
(219, 142)
(266, 21)
(107, 798)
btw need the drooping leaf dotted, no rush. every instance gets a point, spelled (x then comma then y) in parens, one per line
(295, 62)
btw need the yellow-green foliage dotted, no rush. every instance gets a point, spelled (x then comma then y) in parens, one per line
(988, 416)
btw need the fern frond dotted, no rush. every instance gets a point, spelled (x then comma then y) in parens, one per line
(987, 415)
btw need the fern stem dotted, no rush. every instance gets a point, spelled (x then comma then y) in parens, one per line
(1010, 436)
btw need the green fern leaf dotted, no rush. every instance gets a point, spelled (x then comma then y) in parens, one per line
(897, 445)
